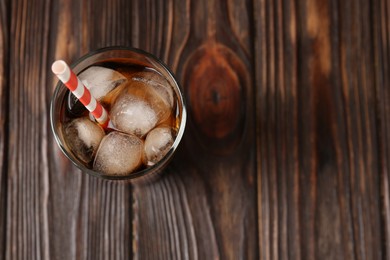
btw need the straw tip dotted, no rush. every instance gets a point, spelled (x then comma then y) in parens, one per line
(59, 67)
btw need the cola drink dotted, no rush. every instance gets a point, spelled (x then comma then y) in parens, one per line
(145, 107)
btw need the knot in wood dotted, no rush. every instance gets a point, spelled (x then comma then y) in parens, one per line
(215, 90)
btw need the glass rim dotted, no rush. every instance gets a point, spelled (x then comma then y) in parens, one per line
(149, 169)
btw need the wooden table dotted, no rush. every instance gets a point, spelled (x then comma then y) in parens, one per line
(286, 154)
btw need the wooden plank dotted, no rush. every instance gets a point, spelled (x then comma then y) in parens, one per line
(381, 37)
(203, 207)
(357, 69)
(318, 145)
(277, 111)
(91, 218)
(69, 188)
(27, 234)
(4, 104)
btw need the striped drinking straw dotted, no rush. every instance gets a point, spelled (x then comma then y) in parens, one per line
(74, 84)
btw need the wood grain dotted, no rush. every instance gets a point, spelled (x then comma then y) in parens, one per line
(381, 51)
(27, 233)
(4, 104)
(90, 217)
(286, 152)
(319, 148)
(188, 214)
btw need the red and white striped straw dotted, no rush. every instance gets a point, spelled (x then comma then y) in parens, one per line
(74, 84)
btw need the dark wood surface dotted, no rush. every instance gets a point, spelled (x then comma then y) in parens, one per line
(286, 154)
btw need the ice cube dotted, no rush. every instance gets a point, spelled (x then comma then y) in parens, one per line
(118, 154)
(158, 83)
(101, 80)
(157, 144)
(149, 95)
(83, 138)
(133, 115)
